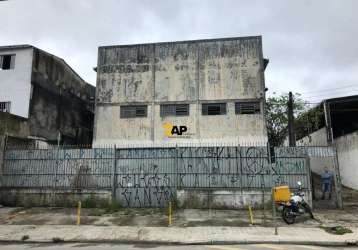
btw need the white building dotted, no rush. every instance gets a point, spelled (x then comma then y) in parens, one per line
(45, 94)
(15, 79)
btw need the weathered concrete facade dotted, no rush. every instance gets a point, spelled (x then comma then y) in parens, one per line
(194, 73)
(61, 101)
(44, 89)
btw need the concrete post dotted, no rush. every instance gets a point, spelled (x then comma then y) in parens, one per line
(114, 174)
(337, 180)
(291, 133)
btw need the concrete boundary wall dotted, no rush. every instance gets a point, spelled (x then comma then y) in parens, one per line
(150, 177)
(347, 153)
(51, 198)
(347, 149)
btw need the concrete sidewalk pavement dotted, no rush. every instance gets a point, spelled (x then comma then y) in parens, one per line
(175, 235)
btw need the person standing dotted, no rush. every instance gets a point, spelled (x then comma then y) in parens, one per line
(326, 179)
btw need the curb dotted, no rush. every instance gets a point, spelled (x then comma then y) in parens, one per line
(213, 242)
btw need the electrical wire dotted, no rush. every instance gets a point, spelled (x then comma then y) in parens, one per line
(337, 92)
(328, 90)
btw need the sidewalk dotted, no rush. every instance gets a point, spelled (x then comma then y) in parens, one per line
(190, 226)
(174, 235)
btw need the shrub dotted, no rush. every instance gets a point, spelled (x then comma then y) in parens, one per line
(113, 206)
(25, 237)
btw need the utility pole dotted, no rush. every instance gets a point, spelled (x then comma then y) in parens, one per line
(330, 142)
(291, 132)
(327, 116)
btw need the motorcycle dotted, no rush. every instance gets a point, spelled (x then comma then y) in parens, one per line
(297, 206)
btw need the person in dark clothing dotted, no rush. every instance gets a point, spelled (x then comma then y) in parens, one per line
(327, 179)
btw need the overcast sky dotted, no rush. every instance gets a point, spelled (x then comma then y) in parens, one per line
(312, 45)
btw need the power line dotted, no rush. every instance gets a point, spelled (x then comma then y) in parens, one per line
(328, 90)
(329, 95)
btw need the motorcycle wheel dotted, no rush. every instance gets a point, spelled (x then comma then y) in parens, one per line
(287, 215)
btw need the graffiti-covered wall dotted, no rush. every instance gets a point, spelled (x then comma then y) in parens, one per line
(150, 177)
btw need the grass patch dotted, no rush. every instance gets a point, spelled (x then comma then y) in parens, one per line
(57, 240)
(25, 237)
(111, 206)
(338, 230)
(89, 202)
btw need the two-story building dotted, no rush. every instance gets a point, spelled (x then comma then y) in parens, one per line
(201, 91)
(43, 98)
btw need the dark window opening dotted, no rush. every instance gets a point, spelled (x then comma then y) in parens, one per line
(247, 108)
(174, 110)
(5, 107)
(7, 62)
(214, 109)
(133, 111)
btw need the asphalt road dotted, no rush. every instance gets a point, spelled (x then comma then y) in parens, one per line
(156, 247)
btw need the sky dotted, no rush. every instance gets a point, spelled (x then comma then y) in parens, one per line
(312, 45)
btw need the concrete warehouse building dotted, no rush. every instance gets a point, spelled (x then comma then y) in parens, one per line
(201, 91)
(42, 98)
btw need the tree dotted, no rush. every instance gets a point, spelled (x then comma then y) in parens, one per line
(276, 116)
(309, 121)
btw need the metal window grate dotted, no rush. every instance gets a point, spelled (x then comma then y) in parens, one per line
(174, 110)
(133, 111)
(5, 107)
(247, 107)
(214, 109)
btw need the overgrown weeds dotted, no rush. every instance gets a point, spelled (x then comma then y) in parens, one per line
(338, 230)
(111, 206)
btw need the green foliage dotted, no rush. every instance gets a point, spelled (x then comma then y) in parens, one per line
(277, 119)
(113, 206)
(338, 230)
(25, 237)
(89, 202)
(309, 121)
(175, 202)
(57, 240)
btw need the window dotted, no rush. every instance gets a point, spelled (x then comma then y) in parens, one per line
(5, 107)
(174, 110)
(7, 62)
(133, 111)
(214, 109)
(247, 107)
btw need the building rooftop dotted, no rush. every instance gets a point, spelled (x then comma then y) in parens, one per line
(187, 41)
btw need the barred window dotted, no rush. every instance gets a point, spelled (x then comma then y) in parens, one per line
(247, 107)
(174, 110)
(7, 62)
(5, 107)
(133, 111)
(214, 109)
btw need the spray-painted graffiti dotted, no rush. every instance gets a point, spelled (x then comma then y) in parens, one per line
(150, 177)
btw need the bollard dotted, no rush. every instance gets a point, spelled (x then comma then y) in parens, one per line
(170, 214)
(251, 216)
(274, 211)
(78, 213)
